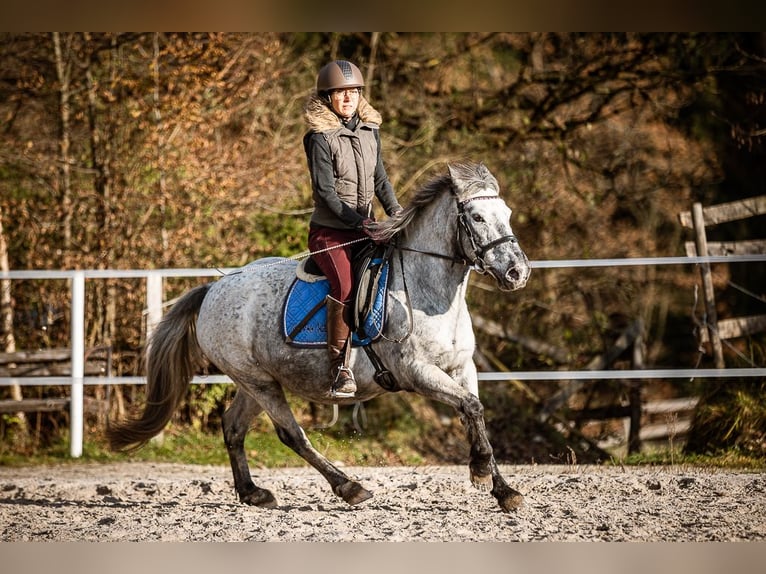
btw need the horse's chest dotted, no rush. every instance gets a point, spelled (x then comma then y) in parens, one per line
(444, 339)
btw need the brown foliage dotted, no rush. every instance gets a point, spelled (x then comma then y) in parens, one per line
(180, 144)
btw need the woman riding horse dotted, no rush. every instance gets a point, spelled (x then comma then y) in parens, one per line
(343, 152)
(455, 224)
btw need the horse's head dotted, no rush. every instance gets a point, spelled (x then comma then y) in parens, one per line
(484, 235)
(484, 228)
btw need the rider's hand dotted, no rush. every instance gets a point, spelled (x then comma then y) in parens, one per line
(370, 228)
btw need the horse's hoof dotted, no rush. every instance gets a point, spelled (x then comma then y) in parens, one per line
(353, 492)
(483, 483)
(511, 500)
(261, 498)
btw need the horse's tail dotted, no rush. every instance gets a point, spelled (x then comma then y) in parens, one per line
(172, 358)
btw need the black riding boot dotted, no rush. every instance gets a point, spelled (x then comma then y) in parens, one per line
(339, 348)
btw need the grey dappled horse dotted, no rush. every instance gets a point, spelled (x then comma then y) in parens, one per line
(456, 223)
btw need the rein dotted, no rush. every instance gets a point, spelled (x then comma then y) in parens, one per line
(298, 256)
(461, 260)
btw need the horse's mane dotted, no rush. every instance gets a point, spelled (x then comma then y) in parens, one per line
(461, 180)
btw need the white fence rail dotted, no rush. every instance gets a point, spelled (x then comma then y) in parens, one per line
(154, 277)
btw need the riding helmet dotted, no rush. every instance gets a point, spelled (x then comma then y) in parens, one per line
(339, 74)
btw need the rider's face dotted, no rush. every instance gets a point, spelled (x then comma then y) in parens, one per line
(345, 101)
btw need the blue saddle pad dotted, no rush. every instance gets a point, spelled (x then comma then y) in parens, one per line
(305, 296)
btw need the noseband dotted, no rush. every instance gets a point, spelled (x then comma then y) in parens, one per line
(479, 251)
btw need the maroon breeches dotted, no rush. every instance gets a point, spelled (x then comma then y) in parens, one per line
(335, 262)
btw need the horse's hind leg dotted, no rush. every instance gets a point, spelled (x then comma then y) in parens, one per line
(291, 434)
(236, 423)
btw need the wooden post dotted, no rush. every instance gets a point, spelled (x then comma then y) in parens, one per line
(154, 295)
(707, 285)
(153, 302)
(634, 393)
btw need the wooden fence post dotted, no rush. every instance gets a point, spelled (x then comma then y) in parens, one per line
(154, 297)
(153, 302)
(634, 392)
(711, 324)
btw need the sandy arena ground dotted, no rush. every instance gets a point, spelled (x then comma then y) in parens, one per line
(172, 502)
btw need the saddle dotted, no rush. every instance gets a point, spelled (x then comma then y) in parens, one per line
(304, 314)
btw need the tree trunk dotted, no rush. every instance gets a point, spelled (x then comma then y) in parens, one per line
(6, 322)
(63, 71)
(160, 149)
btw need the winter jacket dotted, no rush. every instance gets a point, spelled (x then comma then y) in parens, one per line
(345, 164)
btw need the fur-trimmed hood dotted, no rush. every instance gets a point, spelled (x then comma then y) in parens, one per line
(320, 118)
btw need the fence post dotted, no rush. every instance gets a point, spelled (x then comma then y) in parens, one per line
(153, 302)
(76, 423)
(707, 286)
(154, 295)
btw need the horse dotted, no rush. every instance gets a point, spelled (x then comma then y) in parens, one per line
(455, 224)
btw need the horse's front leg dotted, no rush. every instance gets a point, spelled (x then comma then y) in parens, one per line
(485, 475)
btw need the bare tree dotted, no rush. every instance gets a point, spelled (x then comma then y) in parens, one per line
(63, 72)
(6, 320)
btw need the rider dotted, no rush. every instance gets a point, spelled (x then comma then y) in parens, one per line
(342, 147)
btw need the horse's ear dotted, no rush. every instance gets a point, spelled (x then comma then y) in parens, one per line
(488, 177)
(456, 177)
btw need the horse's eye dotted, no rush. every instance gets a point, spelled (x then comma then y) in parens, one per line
(477, 218)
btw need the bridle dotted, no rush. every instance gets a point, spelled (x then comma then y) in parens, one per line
(478, 251)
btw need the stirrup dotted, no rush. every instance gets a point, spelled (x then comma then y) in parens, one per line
(347, 388)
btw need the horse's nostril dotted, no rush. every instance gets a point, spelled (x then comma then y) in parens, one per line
(512, 274)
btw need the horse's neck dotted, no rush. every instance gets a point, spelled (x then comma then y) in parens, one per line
(435, 231)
